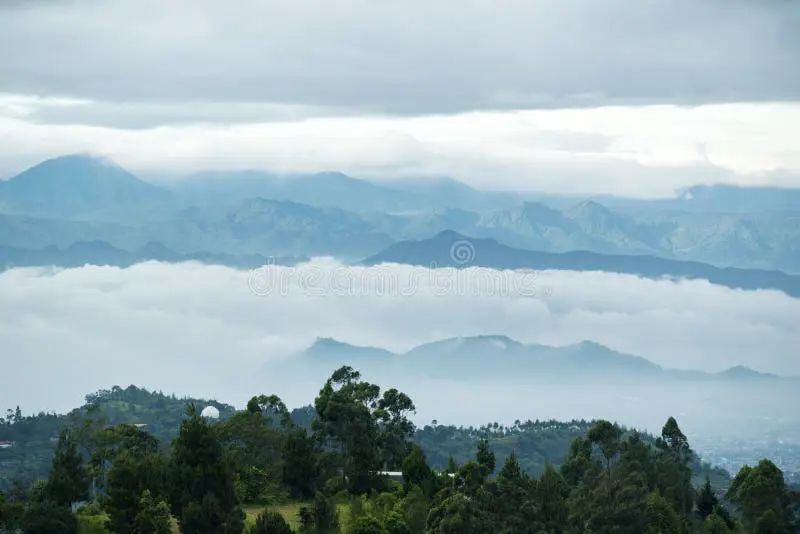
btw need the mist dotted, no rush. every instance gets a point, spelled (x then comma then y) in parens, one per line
(212, 331)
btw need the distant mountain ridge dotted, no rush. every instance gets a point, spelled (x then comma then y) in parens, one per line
(438, 251)
(86, 198)
(484, 357)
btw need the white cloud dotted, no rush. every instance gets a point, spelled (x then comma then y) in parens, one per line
(201, 330)
(636, 151)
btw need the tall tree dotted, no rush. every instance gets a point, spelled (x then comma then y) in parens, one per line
(706, 500)
(202, 492)
(68, 481)
(138, 467)
(675, 473)
(367, 430)
(485, 457)
(300, 467)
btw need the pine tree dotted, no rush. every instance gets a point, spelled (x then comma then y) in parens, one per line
(706, 500)
(202, 493)
(68, 481)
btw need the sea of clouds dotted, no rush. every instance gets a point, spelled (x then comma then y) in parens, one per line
(208, 330)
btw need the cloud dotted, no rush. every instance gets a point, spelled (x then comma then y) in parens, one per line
(634, 151)
(410, 58)
(202, 330)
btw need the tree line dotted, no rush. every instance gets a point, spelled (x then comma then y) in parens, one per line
(260, 471)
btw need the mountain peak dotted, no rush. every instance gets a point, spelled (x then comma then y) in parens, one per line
(448, 234)
(740, 371)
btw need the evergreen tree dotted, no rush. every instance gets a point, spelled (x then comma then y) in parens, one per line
(706, 500)
(485, 456)
(68, 481)
(202, 491)
(300, 459)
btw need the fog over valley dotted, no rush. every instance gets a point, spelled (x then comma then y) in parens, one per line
(219, 332)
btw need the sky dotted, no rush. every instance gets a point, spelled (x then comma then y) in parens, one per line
(629, 98)
(207, 330)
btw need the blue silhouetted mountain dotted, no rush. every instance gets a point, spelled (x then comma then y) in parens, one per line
(84, 198)
(494, 357)
(319, 189)
(438, 252)
(80, 187)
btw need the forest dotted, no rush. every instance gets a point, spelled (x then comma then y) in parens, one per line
(131, 461)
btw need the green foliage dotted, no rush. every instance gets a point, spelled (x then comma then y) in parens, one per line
(68, 481)
(660, 515)
(417, 472)
(49, 518)
(91, 524)
(136, 478)
(321, 517)
(485, 457)
(270, 522)
(202, 492)
(300, 470)
(366, 524)
(368, 431)
(706, 500)
(764, 499)
(153, 515)
(605, 479)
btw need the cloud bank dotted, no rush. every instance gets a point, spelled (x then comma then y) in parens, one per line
(632, 151)
(202, 330)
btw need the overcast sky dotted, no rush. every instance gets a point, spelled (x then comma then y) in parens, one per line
(636, 98)
(203, 330)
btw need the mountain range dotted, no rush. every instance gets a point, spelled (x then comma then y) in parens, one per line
(84, 198)
(495, 357)
(442, 250)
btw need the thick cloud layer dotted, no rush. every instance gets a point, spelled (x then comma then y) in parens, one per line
(408, 57)
(207, 331)
(633, 151)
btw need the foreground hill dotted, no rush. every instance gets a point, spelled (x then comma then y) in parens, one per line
(443, 250)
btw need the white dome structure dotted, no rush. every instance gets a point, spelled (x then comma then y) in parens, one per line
(209, 412)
